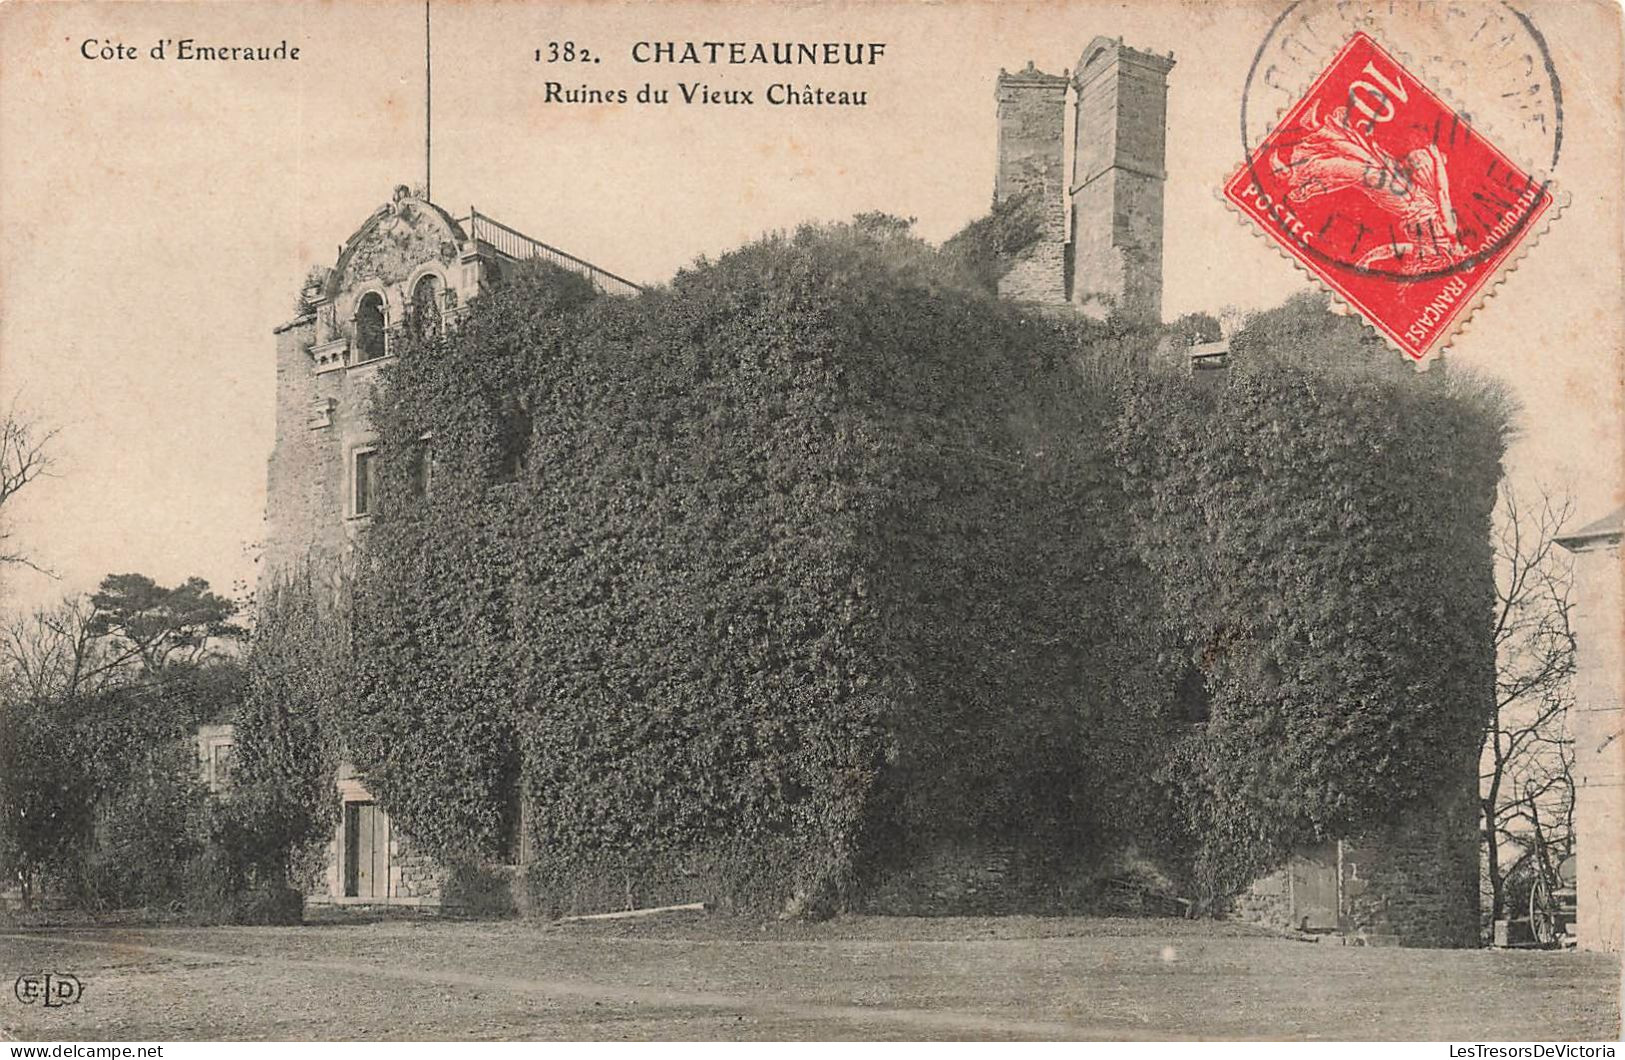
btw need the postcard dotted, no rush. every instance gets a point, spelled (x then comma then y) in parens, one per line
(823, 521)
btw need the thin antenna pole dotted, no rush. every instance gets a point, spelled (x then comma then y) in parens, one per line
(428, 106)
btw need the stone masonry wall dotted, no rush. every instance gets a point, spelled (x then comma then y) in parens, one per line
(412, 873)
(1267, 902)
(321, 421)
(1596, 723)
(1304, 895)
(1099, 266)
(294, 507)
(1415, 882)
(1412, 882)
(978, 879)
(1031, 125)
(1117, 180)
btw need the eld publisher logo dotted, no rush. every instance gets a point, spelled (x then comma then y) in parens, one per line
(53, 989)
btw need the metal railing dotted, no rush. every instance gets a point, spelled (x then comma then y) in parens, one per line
(514, 244)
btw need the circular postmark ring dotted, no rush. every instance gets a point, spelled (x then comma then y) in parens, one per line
(1524, 28)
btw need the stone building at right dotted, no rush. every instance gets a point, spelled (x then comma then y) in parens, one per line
(1596, 724)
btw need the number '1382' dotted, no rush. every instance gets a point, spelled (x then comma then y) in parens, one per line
(564, 51)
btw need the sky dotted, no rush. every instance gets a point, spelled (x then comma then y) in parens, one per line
(156, 217)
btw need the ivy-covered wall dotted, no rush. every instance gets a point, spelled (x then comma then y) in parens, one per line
(1321, 545)
(768, 586)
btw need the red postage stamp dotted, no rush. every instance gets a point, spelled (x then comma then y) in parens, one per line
(1390, 196)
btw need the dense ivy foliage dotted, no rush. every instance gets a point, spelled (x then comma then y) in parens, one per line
(46, 798)
(434, 712)
(282, 804)
(822, 553)
(100, 800)
(1321, 543)
(983, 250)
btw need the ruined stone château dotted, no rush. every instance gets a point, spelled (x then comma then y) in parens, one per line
(1099, 204)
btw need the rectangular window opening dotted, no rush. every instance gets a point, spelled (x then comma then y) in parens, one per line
(365, 482)
(422, 468)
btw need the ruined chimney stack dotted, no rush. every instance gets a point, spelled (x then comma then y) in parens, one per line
(1118, 171)
(1032, 166)
(1106, 258)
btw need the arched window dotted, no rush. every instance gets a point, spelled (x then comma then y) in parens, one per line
(426, 306)
(369, 327)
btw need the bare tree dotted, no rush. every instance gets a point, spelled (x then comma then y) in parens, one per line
(23, 458)
(1526, 767)
(59, 652)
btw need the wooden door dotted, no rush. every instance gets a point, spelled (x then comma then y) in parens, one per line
(1315, 899)
(366, 851)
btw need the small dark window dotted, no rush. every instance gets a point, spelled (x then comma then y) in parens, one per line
(1192, 702)
(513, 845)
(369, 327)
(365, 482)
(516, 427)
(421, 464)
(426, 298)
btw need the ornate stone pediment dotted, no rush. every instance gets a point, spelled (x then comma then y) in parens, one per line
(396, 240)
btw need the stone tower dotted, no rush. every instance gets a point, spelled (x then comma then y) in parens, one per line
(410, 266)
(1032, 125)
(1117, 177)
(411, 270)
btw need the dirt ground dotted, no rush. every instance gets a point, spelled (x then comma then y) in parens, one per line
(701, 976)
